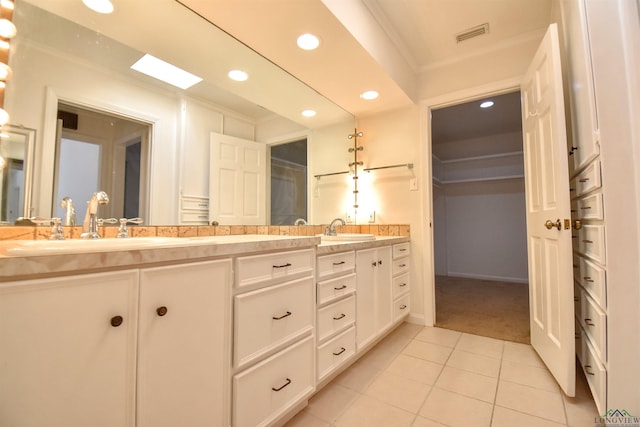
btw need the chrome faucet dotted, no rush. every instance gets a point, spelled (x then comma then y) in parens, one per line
(331, 229)
(90, 225)
(70, 212)
(300, 221)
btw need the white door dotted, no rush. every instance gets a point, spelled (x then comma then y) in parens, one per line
(237, 181)
(548, 213)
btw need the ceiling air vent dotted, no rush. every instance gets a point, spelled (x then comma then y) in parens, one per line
(473, 32)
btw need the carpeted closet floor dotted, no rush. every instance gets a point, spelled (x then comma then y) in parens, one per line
(483, 307)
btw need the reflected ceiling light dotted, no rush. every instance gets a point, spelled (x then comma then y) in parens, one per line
(100, 6)
(5, 72)
(369, 95)
(238, 75)
(7, 29)
(308, 42)
(7, 4)
(4, 117)
(4, 45)
(161, 70)
(308, 113)
(486, 104)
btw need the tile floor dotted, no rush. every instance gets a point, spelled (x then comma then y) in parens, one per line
(428, 377)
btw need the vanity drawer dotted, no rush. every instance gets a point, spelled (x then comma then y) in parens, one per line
(194, 217)
(594, 322)
(400, 266)
(591, 242)
(336, 317)
(595, 373)
(400, 285)
(593, 278)
(194, 203)
(336, 352)
(274, 267)
(401, 307)
(266, 391)
(401, 249)
(269, 318)
(335, 264)
(591, 207)
(589, 179)
(332, 289)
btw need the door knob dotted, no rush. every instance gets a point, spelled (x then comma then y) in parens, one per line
(550, 224)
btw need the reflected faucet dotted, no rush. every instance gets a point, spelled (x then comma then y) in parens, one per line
(90, 225)
(70, 212)
(331, 229)
(300, 221)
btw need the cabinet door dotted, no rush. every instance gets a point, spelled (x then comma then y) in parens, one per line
(68, 349)
(373, 294)
(184, 345)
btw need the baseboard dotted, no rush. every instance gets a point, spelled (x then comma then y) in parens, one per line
(416, 319)
(496, 278)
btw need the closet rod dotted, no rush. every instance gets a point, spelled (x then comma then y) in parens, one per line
(329, 174)
(404, 165)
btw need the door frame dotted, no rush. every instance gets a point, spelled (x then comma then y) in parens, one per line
(445, 100)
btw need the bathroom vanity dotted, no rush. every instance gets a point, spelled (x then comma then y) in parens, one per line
(212, 331)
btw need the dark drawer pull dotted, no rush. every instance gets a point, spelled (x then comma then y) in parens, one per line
(283, 316)
(588, 279)
(402, 307)
(584, 208)
(338, 263)
(402, 285)
(403, 265)
(342, 316)
(587, 241)
(586, 368)
(584, 180)
(116, 321)
(403, 249)
(341, 288)
(283, 386)
(342, 350)
(283, 265)
(589, 322)
(161, 311)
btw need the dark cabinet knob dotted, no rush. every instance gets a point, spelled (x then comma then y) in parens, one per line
(161, 311)
(116, 321)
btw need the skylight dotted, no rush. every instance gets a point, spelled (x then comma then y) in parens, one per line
(161, 70)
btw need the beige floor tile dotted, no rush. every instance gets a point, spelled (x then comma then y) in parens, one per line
(485, 365)
(408, 329)
(481, 345)
(455, 410)
(503, 417)
(533, 401)
(428, 351)
(330, 402)
(532, 376)
(398, 391)
(367, 412)
(358, 376)
(306, 419)
(424, 422)
(468, 384)
(416, 369)
(445, 337)
(386, 351)
(581, 410)
(522, 353)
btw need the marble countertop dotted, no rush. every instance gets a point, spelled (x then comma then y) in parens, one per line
(17, 265)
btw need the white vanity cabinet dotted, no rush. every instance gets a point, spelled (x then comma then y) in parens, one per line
(68, 351)
(142, 347)
(274, 322)
(336, 302)
(374, 294)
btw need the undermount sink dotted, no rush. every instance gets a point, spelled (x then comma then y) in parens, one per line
(348, 237)
(69, 246)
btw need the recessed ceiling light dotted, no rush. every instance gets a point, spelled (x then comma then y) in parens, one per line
(308, 113)
(308, 42)
(161, 70)
(238, 75)
(486, 104)
(100, 6)
(369, 95)
(7, 4)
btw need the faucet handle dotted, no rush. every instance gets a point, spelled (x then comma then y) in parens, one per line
(103, 221)
(123, 231)
(56, 229)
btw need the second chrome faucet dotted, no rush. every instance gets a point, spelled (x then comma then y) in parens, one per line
(90, 225)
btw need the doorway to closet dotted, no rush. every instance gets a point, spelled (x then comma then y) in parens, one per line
(479, 218)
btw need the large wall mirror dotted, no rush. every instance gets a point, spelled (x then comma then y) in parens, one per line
(67, 55)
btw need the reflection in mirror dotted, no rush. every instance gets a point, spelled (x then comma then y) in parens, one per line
(16, 158)
(289, 182)
(97, 151)
(66, 54)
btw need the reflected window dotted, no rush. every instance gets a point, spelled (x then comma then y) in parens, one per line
(288, 182)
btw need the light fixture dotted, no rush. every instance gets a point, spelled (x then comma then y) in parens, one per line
(4, 45)
(7, 29)
(5, 72)
(486, 104)
(369, 95)
(4, 117)
(308, 42)
(161, 70)
(238, 75)
(309, 113)
(100, 6)
(7, 4)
